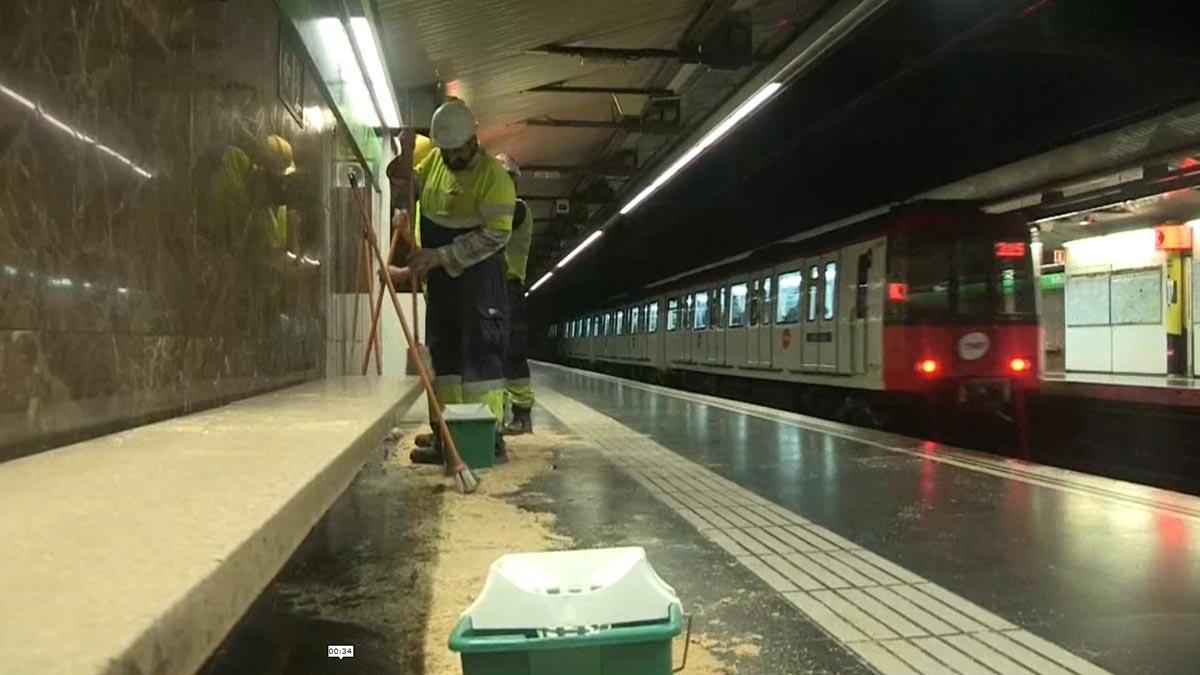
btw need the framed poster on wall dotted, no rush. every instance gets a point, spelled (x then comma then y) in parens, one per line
(291, 74)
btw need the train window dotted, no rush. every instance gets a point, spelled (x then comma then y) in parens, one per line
(830, 289)
(700, 310)
(672, 315)
(635, 316)
(652, 318)
(620, 322)
(755, 301)
(688, 315)
(929, 278)
(766, 301)
(814, 279)
(990, 285)
(717, 308)
(787, 310)
(861, 286)
(737, 305)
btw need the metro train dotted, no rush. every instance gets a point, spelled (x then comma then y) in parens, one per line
(928, 303)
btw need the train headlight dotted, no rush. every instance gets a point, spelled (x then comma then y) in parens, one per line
(928, 367)
(1019, 364)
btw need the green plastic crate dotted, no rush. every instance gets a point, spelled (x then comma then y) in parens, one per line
(631, 649)
(474, 430)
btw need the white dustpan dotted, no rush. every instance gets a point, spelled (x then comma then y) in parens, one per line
(571, 589)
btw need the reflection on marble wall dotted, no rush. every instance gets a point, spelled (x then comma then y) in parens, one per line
(166, 221)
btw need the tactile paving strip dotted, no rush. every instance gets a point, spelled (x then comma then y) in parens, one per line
(894, 620)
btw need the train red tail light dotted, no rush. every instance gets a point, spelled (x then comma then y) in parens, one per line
(1020, 365)
(928, 367)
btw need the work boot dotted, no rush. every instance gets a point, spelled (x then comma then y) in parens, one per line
(522, 422)
(430, 455)
(500, 454)
(425, 440)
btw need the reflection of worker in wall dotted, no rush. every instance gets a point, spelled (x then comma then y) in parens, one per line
(246, 197)
(466, 202)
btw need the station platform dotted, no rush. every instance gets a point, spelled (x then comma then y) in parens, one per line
(1155, 390)
(798, 545)
(137, 551)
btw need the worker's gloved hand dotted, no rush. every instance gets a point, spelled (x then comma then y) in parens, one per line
(423, 261)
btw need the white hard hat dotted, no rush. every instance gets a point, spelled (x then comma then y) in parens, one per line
(453, 124)
(510, 165)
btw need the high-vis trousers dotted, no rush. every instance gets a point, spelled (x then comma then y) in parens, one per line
(517, 386)
(466, 324)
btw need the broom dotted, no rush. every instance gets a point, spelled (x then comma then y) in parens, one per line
(463, 478)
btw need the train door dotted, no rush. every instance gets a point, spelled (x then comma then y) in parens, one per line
(811, 344)
(718, 305)
(787, 344)
(653, 336)
(853, 299)
(699, 341)
(635, 333)
(829, 312)
(683, 336)
(737, 333)
(765, 339)
(673, 332)
(753, 322)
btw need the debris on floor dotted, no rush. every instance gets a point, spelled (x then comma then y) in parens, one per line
(465, 533)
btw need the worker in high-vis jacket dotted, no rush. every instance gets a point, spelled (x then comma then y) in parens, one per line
(466, 210)
(518, 390)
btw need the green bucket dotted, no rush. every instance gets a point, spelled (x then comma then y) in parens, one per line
(474, 431)
(624, 649)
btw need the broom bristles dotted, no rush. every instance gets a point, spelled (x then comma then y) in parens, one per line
(465, 481)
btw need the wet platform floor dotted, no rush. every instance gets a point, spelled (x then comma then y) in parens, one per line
(833, 549)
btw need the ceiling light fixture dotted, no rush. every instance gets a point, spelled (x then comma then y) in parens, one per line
(539, 282)
(579, 249)
(368, 47)
(715, 134)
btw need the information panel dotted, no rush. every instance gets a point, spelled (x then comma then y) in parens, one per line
(1087, 300)
(1137, 297)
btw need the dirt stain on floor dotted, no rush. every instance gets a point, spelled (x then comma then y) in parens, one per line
(471, 531)
(393, 565)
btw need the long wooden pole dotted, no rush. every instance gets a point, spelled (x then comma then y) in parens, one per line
(426, 382)
(373, 339)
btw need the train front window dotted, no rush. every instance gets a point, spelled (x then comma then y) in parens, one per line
(971, 279)
(994, 279)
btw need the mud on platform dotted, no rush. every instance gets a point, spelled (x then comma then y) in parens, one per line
(401, 554)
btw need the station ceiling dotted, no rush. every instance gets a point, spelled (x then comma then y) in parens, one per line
(927, 94)
(930, 93)
(492, 54)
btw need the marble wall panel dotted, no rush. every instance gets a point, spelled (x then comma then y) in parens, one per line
(159, 253)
